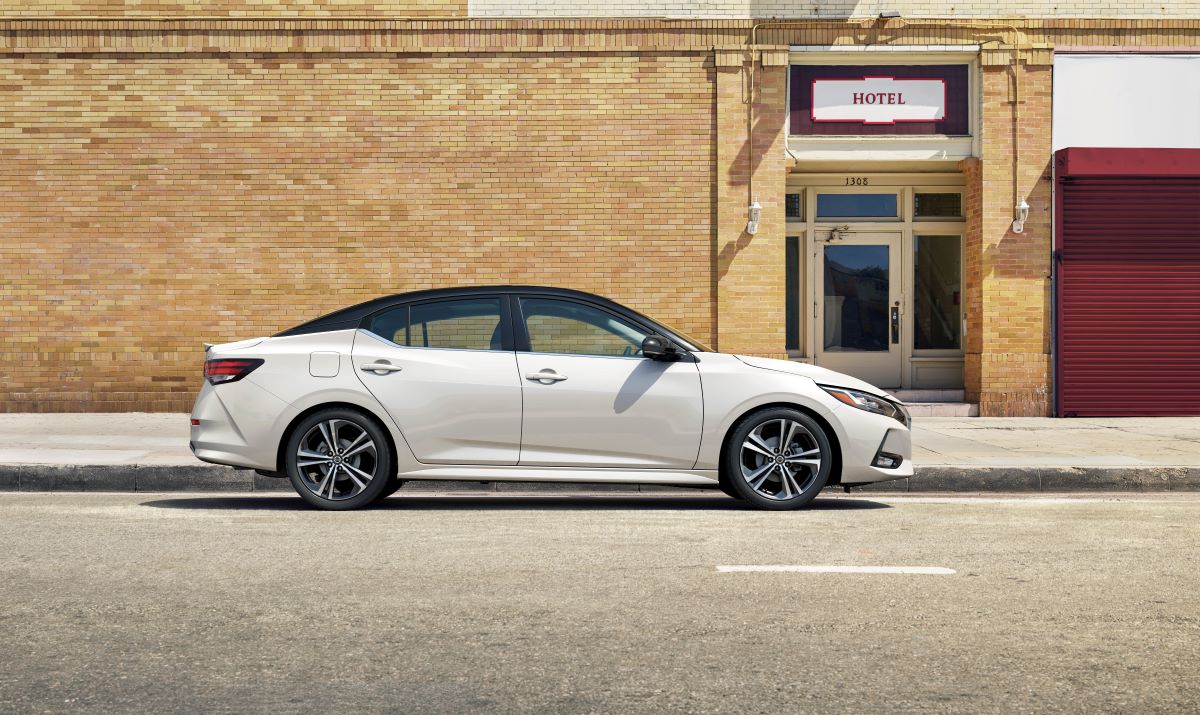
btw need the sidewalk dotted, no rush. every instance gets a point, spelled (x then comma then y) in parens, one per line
(149, 452)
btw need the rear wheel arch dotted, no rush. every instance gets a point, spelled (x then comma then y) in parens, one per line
(280, 457)
(835, 472)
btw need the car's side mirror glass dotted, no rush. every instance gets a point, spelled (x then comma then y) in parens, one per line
(656, 347)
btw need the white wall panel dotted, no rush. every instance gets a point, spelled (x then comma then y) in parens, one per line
(1127, 101)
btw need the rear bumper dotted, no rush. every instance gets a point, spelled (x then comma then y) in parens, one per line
(250, 441)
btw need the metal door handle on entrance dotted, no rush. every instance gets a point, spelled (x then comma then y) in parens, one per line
(381, 367)
(545, 376)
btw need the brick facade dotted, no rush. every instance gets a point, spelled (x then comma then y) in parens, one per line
(830, 8)
(166, 184)
(151, 204)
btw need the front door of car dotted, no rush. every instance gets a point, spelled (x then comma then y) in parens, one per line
(446, 373)
(591, 398)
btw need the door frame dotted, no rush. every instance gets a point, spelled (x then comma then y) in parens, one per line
(937, 369)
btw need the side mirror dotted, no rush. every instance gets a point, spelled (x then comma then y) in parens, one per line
(656, 347)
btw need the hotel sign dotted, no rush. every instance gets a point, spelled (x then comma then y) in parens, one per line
(878, 100)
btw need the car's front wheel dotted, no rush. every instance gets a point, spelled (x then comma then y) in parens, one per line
(777, 458)
(338, 459)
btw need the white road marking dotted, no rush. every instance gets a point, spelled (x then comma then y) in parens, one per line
(795, 568)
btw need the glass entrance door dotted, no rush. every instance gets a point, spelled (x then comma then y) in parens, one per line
(859, 303)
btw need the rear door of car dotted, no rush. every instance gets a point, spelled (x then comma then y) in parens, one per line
(591, 398)
(446, 372)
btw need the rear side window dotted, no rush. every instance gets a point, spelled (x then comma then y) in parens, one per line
(464, 324)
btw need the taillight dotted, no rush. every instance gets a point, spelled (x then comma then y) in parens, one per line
(224, 370)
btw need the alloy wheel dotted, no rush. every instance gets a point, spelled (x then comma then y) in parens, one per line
(337, 459)
(780, 459)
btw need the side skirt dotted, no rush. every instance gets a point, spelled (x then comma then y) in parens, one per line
(697, 477)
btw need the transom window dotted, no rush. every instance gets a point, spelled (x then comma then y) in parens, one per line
(858, 206)
(570, 328)
(941, 204)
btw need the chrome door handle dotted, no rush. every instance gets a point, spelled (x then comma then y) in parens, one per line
(545, 375)
(380, 367)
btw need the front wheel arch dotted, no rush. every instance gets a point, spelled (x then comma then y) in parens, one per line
(280, 464)
(835, 469)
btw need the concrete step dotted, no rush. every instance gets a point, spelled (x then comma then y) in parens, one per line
(929, 395)
(942, 409)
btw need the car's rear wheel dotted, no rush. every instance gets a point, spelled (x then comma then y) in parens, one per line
(338, 459)
(777, 458)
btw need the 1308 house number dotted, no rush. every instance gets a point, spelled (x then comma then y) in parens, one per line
(856, 181)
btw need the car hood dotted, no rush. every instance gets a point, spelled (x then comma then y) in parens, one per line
(819, 375)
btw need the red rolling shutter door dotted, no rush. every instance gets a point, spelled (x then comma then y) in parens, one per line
(1129, 295)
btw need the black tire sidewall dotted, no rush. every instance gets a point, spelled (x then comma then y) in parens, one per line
(732, 468)
(374, 490)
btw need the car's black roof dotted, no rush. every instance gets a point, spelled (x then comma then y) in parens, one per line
(352, 317)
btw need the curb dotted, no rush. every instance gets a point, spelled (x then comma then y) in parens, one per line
(212, 478)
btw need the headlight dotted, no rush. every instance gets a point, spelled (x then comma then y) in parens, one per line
(870, 403)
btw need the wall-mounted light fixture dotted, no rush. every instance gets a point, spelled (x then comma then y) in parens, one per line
(1020, 215)
(889, 15)
(754, 214)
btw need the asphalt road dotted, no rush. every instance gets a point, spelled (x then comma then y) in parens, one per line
(159, 603)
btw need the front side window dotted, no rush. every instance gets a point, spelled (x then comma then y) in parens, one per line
(570, 328)
(462, 324)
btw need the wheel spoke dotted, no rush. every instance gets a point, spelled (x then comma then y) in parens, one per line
(757, 439)
(312, 462)
(321, 486)
(787, 431)
(813, 464)
(361, 435)
(305, 454)
(764, 469)
(789, 483)
(332, 480)
(330, 436)
(757, 485)
(754, 443)
(352, 470)
(365, 446)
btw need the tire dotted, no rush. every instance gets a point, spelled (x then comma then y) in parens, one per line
(728, 490)
(767, 476)
(393, 485)
(362, 451)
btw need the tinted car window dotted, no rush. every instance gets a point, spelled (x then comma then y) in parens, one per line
(467, 324)
(567, 327)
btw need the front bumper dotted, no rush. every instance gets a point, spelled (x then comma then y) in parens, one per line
(868, 439)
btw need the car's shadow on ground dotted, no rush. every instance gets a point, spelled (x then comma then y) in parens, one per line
(432, 502)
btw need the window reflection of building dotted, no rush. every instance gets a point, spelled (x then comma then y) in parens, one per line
(856, 303)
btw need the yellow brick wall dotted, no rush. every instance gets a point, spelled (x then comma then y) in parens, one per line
(750, 269)
(149, 203)
(233, 8)
(1008, 351)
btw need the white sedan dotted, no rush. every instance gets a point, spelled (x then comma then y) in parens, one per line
(533, 384)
